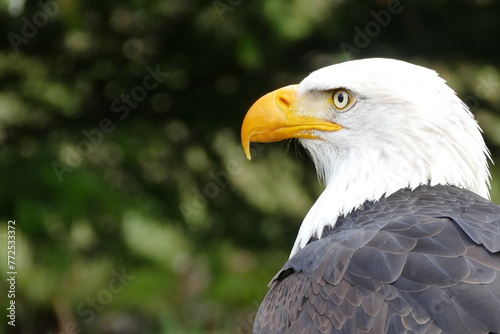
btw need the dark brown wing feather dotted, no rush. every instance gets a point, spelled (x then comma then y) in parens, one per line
(421, 261)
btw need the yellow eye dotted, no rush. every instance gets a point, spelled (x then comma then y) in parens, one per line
(341, 99)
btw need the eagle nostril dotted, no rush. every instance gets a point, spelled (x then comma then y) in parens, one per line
(283, 102)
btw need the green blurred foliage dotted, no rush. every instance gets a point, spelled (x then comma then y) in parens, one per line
(120, 154)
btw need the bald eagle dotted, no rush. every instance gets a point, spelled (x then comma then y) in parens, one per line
(403, 238)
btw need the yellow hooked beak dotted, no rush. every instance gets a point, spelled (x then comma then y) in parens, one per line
(275, 117)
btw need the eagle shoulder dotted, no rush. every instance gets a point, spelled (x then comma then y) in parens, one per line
(421, 261)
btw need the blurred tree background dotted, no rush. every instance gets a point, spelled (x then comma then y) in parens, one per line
(135, 209)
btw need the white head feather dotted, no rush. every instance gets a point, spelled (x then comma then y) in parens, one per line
(406, 128)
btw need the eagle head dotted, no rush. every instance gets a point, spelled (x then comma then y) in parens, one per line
(372, 127)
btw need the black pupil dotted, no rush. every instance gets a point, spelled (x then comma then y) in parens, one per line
(340, 97)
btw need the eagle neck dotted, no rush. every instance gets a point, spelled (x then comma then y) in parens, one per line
(353, 177)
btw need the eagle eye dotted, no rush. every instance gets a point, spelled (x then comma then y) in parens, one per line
(341, 99)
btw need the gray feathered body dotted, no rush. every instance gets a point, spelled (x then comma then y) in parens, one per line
(419, 261)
